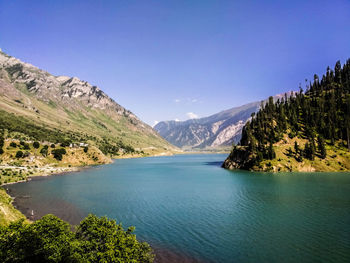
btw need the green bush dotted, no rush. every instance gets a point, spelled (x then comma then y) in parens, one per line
(36, 145)
(13, 144)
(44, 151)
(2, 141)
(58, 153)
(86, 149)
(26, 146)
(65, 143)
(53, 146)
(50, 239)
(19, 154)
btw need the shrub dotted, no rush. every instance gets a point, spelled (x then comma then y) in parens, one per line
(65, 143)
(13, 144)
(58, 153)
(36, 145)
(50, 239)
(53, 146)
(19, 154)
(86, 149)
(26, 146)
(44, 151)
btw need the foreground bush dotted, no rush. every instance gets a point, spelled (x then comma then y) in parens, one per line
(50, 239)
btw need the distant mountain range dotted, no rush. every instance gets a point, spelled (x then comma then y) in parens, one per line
(216, 131)
(70, 105)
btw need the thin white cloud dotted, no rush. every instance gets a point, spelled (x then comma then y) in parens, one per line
(177, 119)
(155, 123)
(187, 100)
(192, 115)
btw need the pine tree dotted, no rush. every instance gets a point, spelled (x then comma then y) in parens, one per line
(347, 121)
(296, 147)
(321, 147)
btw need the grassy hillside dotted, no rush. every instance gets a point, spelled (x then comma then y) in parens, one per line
(49, 108)
(337, 159)
(43, 160)
(55, 124)
(7, 212)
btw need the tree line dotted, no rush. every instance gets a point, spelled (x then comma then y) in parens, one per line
(320, 114)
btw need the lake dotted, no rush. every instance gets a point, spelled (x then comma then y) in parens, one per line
(191, 210)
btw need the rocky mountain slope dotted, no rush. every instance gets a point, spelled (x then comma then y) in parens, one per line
(72, 107)
(217, 130)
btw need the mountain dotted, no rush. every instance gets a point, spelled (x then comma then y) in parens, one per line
(217, 130)
(214, 132)
(309, 131)
(45, 107)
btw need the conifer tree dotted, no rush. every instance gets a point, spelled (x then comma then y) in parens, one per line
(321, 147)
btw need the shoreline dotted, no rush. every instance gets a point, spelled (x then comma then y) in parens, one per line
(71, 214)
(22, 210)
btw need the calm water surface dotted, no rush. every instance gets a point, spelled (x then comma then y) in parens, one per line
(189, 205)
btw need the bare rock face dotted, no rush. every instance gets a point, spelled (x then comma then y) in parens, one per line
(66, 92)
(48, 87)
(221, 129)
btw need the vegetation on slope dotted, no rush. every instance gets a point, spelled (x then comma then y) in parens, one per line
(50, 239)
(20, 159)
(49, 108)
(19, 127)
(7, 212)
(309, 129)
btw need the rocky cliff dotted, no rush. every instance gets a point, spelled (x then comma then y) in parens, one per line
(221, 129)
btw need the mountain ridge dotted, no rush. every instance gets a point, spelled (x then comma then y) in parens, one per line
(68, 103)
(215, 132)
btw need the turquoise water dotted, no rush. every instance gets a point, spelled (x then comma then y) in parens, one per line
(189, 205)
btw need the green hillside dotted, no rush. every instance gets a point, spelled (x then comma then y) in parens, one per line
(309, 131)
(35, 105)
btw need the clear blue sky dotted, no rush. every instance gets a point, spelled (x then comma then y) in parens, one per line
(166, 59)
